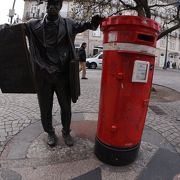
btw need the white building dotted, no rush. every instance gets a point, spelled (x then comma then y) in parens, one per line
(169, 44)
(94, 38)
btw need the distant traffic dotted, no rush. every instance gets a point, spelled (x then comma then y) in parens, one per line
(95, 61)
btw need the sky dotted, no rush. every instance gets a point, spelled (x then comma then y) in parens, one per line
(5, 5)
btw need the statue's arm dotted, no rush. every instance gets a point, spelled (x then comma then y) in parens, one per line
(6, 27)
(81, 27)
(92, 25)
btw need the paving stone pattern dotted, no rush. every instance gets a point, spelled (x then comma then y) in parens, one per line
(167, 124)
(60, 163)
(17, 111)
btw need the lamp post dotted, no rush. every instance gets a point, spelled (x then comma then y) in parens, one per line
(165, 60)
(12, 12)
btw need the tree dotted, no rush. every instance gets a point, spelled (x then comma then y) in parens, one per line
(167, 10)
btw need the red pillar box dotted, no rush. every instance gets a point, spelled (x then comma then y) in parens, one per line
(128, 65)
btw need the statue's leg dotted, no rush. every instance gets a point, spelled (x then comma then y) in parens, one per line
(45, 93)
(62, 90)
(63, 94)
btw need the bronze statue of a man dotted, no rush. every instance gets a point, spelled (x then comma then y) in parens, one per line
(51, 45)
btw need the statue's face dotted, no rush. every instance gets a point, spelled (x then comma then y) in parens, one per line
(53, 7)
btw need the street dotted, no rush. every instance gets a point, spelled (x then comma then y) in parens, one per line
(169, 78)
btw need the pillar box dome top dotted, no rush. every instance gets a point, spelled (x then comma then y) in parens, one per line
(129, 20)
(130, 29)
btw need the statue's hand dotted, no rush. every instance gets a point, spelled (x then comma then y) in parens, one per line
(3, 26)
(96, 20)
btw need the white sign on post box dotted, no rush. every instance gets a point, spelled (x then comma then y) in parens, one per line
(140, 71)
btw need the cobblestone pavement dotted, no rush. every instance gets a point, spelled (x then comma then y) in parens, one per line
(27, 156)
(17, 111)
(168, 124)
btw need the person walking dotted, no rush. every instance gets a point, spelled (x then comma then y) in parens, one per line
(51, 45)
(82, 60)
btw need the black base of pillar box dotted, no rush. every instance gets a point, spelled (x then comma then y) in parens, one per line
(115, 156)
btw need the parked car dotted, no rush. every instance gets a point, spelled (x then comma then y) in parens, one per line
(95, 61)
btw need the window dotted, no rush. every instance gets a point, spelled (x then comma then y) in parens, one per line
(42, 14)
(77, 46)
(179, 46)
(163, 42)
(101, 56)
(38, 12)
(33, 9)
(172, 45)
(96, 33)
(95, 51)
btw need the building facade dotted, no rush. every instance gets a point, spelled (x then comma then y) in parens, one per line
(92, 38)
(168, 48)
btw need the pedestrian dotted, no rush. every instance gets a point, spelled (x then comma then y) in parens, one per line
(82, 60)
(51, 42)
(168, 64)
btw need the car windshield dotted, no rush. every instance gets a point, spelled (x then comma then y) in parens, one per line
(96, 55)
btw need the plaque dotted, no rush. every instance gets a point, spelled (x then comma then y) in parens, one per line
(140, 71)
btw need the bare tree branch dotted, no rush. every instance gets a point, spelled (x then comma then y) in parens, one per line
(163, 5)
(168, 11)
(164, 33)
